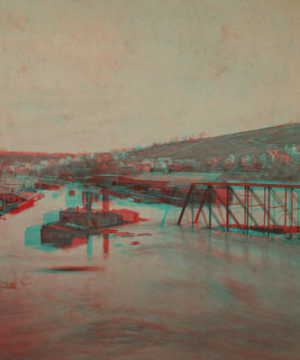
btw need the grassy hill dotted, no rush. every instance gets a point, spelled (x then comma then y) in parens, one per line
(239, 144)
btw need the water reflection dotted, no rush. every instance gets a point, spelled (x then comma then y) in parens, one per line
(89, 248)
(51, 216)
(33, 235)
(105, 245)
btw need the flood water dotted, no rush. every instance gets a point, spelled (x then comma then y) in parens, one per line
(145, 292)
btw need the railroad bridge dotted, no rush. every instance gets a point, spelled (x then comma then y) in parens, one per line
(268, 208)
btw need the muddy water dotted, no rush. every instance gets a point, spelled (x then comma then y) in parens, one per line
(145, 291)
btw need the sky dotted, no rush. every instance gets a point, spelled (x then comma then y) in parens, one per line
(96, 75)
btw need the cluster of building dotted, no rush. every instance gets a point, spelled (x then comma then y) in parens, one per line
(40, 166)
(119, 163)
(163, 165)
(271, 157)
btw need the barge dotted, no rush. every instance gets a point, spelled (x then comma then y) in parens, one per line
(15, 203)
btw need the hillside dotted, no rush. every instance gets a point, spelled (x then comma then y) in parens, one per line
(238, 144)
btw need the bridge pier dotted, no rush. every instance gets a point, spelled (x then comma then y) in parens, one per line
(105, 200)
(87, 201)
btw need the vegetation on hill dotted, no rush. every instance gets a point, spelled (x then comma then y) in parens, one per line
(251, 142)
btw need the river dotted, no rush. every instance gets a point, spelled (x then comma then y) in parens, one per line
(164, 292)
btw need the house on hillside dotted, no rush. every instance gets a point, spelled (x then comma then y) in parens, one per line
(167, 160)
(44, 163)
(175, 166)
(291, 150)
(275, 156)
(282, 159)
(272, 153)
(28, 166)
(212, 165)
(150, 163)
(262, 160)
(130, 168)
(103, 157)
(287, 149)
(62, 161)
(78, 158)
(143, 168)
(229, 163)
(190, 164)
(161, 166)
(248, 162)
(294, 153)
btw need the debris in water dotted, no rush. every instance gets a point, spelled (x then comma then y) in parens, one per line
(8, 285)
(71, 269)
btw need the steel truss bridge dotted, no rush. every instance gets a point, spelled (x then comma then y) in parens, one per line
(267, 208)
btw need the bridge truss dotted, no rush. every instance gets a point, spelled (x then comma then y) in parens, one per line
(267, 208)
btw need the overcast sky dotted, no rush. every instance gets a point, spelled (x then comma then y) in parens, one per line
(92, 75)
